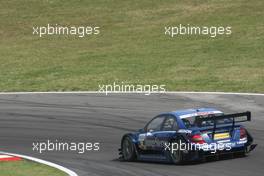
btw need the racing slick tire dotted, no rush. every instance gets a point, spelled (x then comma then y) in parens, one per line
(128, 149)
(176, 156)
(242, 153)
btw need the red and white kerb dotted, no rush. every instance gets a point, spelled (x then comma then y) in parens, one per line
(9, 158)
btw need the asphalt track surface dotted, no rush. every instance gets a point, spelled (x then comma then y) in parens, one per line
(25, 119)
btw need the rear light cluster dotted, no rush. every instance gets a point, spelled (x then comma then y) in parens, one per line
(197, 138)
(243, 133)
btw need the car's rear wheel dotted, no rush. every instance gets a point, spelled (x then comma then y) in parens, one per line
(176, 154)
(128, 149)
(241, 153)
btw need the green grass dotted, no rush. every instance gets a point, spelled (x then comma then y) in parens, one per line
(132, 46)
(27, 168)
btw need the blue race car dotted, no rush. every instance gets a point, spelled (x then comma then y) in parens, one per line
(188, 135)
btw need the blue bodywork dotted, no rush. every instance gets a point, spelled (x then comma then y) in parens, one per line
(150, 144)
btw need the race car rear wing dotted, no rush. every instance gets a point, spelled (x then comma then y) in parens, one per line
(244, 116)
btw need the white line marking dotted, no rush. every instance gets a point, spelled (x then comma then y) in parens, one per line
(5, 156)
(67, 171)
(109, 92)
(216, 93)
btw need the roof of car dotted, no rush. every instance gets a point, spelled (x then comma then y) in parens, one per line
(192, 112)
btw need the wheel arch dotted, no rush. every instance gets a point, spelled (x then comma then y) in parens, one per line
(131, 136)
(133, 139)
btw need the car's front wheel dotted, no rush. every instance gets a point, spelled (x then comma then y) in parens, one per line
(128, 149)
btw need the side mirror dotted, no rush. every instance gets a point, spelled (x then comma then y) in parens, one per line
(150, 131)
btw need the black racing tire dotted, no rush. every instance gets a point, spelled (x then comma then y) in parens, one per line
(176, 156)
(242, 153)
(128, 149)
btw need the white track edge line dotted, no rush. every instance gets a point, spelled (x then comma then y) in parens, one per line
(59, 167)
(113, 92)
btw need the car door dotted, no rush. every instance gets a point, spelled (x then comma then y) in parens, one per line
(148, 138)
(167, 131)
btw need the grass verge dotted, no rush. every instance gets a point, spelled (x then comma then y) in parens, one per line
(27, 168)
(132, 46)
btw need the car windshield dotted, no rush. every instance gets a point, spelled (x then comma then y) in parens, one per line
(199, 121)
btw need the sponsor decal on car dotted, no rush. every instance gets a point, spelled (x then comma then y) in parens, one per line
(200, 114)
